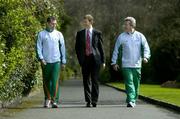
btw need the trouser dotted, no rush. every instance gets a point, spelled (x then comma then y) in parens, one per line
(132, 77)
(51, 81)
(91, 86)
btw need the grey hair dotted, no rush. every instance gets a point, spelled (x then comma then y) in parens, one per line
(132, 21)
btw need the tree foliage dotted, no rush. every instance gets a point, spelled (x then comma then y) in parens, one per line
(158, 20)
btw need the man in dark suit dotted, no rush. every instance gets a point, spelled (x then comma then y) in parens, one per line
(90, 54)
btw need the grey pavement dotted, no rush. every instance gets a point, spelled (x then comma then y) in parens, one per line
(111, 105)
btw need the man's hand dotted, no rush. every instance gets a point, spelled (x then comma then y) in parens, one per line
(43, 62)
(63, 66)
(145, 60)
(116, 67)
(104, 65)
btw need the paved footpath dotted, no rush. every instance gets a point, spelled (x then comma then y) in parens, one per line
(111, 106)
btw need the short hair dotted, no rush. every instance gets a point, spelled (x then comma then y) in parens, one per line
(51, 18)
(132, 21)
(89, 18)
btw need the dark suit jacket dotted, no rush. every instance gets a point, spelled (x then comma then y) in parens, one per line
(97, 46)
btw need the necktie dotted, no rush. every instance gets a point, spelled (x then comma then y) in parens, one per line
(88, 47)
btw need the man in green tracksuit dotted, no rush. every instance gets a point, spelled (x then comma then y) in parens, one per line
(134, 50)
(51, 53)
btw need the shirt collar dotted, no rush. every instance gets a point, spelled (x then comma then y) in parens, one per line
(131, 33)
(90, 30)
(49, 30)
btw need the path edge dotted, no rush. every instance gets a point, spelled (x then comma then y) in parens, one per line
(151, 100)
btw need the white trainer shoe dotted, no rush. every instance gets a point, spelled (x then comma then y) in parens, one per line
(131, 104)
(54, 105)
(47, 103)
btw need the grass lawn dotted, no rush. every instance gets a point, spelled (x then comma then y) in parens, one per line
(169, 95)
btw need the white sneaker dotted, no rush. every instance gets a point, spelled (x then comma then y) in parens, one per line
(131, 104)
(47, 103)
(54, 105)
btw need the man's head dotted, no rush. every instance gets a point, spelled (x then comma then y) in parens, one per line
(51, 23)
(88, 21)
(129, 24)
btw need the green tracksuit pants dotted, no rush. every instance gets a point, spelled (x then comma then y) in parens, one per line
(51, 81)
(132, 77)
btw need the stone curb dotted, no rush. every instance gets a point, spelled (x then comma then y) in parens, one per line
(153, 101)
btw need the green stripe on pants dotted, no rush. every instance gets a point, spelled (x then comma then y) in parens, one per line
(51, 81)
(132, 77)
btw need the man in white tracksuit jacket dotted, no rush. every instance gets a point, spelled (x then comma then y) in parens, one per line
(134, 50)
(52, 55)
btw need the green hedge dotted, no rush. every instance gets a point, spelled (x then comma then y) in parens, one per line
(19, 24)
(17, 28)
